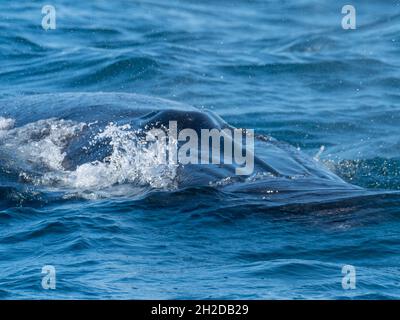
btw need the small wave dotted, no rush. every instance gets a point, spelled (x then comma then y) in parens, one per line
(123, 70)
(309, 44)
(324, 67)
(376, 173)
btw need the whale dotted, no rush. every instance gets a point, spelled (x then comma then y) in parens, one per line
(52, 140)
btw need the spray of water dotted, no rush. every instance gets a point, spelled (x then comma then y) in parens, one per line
(37, 152)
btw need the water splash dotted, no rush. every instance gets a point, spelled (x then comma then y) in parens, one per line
(319, 153)
(37, 151)
(6, 124)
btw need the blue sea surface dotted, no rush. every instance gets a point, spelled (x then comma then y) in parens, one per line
(286, 69)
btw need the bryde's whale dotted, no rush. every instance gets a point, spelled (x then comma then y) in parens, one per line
(84, 141)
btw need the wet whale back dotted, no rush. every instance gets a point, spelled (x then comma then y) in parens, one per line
(66, 124)
(84, 107)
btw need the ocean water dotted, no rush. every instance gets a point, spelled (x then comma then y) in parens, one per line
(325, 193)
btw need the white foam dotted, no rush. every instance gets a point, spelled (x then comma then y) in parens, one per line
(37, 151)
(6, 124)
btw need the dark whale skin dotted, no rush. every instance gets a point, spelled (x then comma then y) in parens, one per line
(288, 169)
